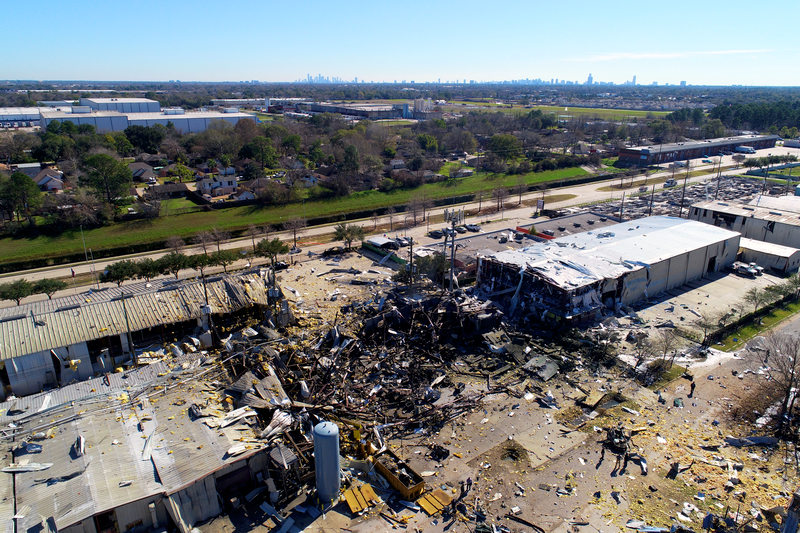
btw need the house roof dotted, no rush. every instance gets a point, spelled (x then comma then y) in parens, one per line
(168, 188)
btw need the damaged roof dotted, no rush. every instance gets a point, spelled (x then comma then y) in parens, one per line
(585, 258)
(132, 450)
(60, 322)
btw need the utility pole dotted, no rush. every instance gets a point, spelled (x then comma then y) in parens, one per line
(411, 258)
(128, 332)
(622, 205)
(683, 191)
(652, 195)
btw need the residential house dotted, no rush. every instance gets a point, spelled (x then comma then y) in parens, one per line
(50, 180)
(168, 190)
(397, 164)
(217, 185)
(29, 169)
(142, 172)
(244, 195)
(306, 179)
(462, 173)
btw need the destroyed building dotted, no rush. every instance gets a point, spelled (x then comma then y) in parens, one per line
(53, 342)
(576, 277)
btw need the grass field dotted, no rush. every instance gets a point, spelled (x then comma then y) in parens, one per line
(737, 339)
(584, 112)
(186, 225)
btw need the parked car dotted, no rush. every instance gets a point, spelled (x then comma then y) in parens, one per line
(461, 229)
(643, 188)
(435, 234)
(402, 241)
(449, 231)
(281, 265)
(670, 183)
(473, 227)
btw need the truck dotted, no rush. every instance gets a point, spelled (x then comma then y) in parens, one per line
(670, 183)
(745, 149)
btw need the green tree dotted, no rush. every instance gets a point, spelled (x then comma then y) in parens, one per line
(200, 262)
(183, 172)
(271, 249)
(22, 195)
(505, 146)
(16, 290)
(173, 263)
(120, 271)
(146, 138)
(350, 160)
(428, 142)
(148, 269)
(108, 177)
(224, 258)
(348, 233)
(261, 150)
(713, 128)
(291, 144)
(49, 287)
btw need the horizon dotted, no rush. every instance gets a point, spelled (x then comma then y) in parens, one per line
(443, 43)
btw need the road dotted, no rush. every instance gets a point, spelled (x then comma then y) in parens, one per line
(583, 194)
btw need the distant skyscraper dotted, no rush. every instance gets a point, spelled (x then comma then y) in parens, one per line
(634, 79)
(683, 83)
(589, 80)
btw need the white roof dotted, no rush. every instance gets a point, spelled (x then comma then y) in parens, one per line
(757, 212)
(584, 258)
(789, 202)
(778, 250)
(120, 100)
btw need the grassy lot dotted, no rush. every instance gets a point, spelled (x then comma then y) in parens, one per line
(674, 372)
(584, 112)
(171, 204)
(398, 122)
(185, 225)
(679, 176)
(739, 337)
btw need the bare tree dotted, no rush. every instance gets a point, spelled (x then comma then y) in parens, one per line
(500, 194)
(754, 297)
(375, 219)
(414, 208)
(479, 196)
(296, 226)
(642, 348)
(204, 240)
(666, 341)
(219, 236)
(780, 354)
(520, 188)
(253, 232)
(175, 244)
(390, 214)
(706, 323)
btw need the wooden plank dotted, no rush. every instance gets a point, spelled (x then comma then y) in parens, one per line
(427, 506)
(369, 493)
(352, 501)
(443, 498)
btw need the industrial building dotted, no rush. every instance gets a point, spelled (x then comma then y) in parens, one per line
(751, 221)
(368, 111)
(576, 277)
(256, 103)
(53, 342)
(775, 257)
(656, 154)
(116, 114)
(123, 105)
(164, 462)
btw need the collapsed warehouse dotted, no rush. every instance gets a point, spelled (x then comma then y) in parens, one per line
(574, 278)
(53, 342)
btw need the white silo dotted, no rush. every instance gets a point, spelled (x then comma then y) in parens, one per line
(326, 459)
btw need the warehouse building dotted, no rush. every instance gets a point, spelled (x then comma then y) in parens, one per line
(113, 464)
(664, 153)
(123, 105)
(775, 257)
(110, 121)
(53, 342)
(368, 111)
(751, 221)
(576, 277)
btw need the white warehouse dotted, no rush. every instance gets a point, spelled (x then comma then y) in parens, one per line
(752, 221)
(574, 278)
(123, 105)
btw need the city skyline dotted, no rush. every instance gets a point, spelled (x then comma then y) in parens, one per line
(709, 44)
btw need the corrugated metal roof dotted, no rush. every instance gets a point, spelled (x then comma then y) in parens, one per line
(750, 211)
(767, 247)
(49, 324)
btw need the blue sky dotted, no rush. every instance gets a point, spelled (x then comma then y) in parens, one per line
(702, 42)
